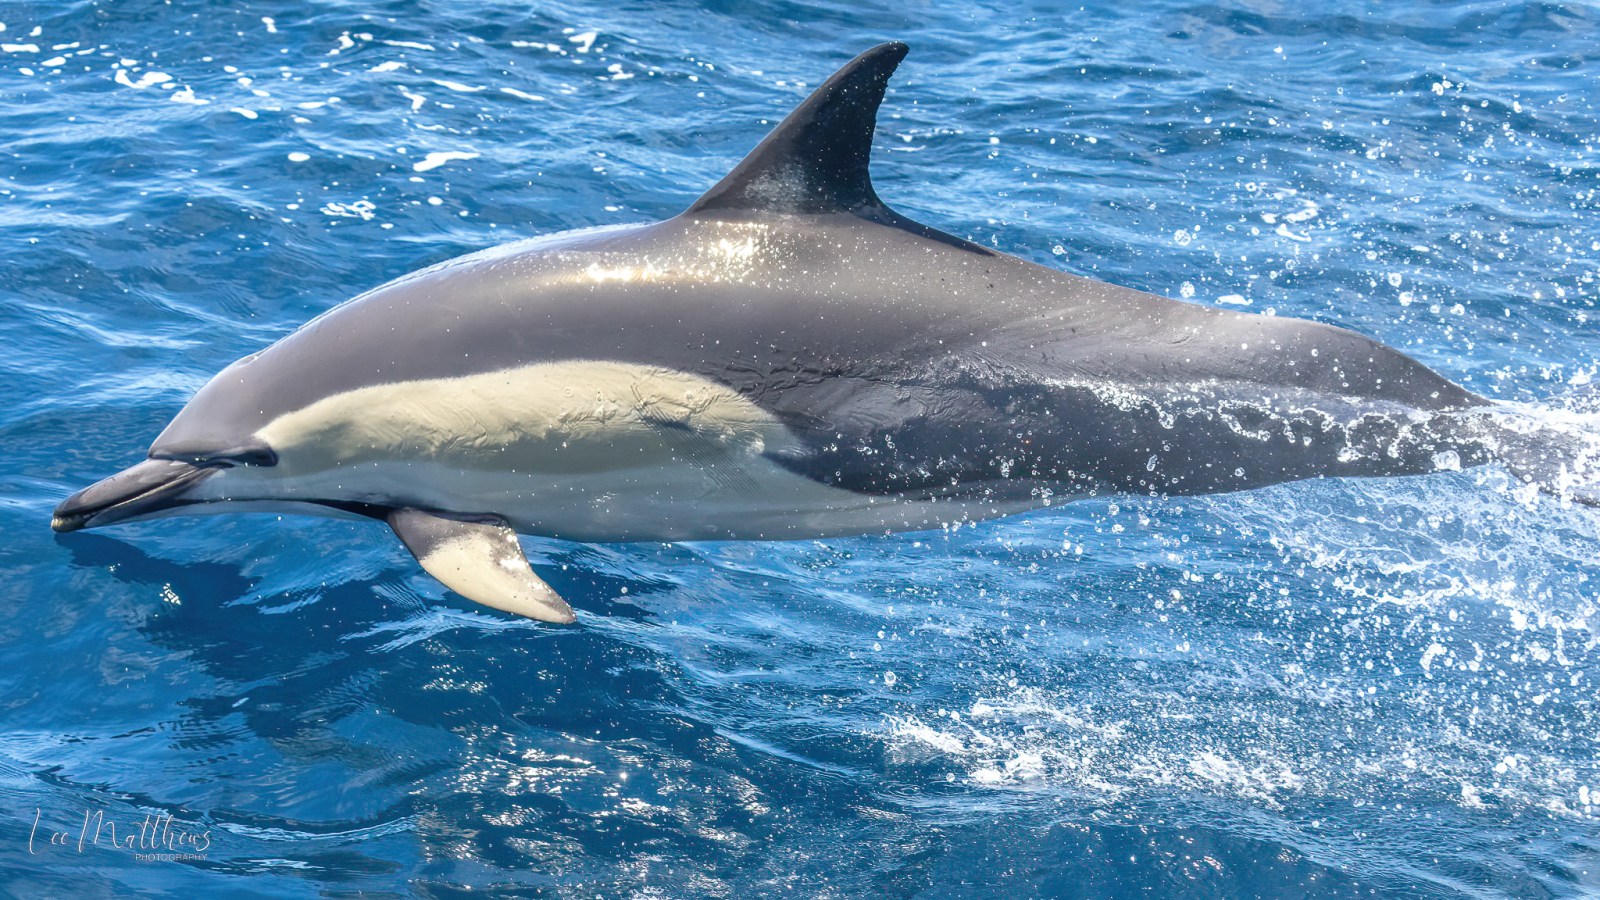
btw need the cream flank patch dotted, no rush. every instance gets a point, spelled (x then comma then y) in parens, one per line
(559, 418)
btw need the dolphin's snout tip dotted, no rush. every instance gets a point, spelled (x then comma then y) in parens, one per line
(74, 513)
(61, 524)
(149, 487)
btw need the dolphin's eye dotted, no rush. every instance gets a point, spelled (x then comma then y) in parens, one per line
(256, 456)
(241, 456)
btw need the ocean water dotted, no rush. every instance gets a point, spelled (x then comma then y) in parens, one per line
(1329, 689)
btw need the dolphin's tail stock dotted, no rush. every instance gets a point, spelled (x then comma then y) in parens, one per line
(1556, 451)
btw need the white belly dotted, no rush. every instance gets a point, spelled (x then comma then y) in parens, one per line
(588, 450)
(666, 501)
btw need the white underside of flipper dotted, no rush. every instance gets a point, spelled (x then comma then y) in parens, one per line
(481, 561)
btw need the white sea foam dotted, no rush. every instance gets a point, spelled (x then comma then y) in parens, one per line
(440, 157)
(148, 79)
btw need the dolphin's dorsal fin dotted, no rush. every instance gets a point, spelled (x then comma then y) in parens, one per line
(815, 161)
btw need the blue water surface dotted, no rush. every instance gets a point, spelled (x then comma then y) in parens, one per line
(1327, 689)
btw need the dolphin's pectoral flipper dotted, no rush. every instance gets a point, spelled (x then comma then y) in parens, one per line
(480, 560)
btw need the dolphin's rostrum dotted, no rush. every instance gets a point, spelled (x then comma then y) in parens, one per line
(788, 358)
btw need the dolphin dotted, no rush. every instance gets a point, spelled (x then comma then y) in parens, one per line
(788, 358)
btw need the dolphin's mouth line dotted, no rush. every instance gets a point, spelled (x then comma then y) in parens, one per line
(145, 488)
